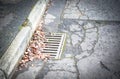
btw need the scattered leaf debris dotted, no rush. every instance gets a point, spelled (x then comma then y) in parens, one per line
(35, 48)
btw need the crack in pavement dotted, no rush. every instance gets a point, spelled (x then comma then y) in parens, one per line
(78, 73)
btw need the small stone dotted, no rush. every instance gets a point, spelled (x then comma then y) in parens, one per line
(49, 16)
(88, 26)
(48, 21)
(26, 53)
(32, 65)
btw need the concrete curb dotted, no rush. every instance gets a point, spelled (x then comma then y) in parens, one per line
(9, 60)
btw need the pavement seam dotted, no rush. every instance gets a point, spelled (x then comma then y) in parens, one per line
(83, 38)
(76, 68)
(79, 8)
(96, 38)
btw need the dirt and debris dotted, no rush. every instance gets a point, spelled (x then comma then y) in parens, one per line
(35, 48)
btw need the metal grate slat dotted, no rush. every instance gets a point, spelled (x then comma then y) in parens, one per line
(54, 45)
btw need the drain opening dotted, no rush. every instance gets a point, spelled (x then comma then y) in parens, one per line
(54, 45)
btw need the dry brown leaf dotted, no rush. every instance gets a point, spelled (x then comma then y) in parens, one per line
(35, 48)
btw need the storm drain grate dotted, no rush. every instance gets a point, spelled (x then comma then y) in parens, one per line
(54, 45)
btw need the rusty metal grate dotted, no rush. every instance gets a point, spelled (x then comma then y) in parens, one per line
(54, 45)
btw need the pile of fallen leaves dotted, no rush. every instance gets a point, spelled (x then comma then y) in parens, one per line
(35, 48)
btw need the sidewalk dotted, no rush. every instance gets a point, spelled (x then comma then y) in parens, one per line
(92, 50)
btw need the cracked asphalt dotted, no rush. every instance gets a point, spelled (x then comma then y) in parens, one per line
(93, 40)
